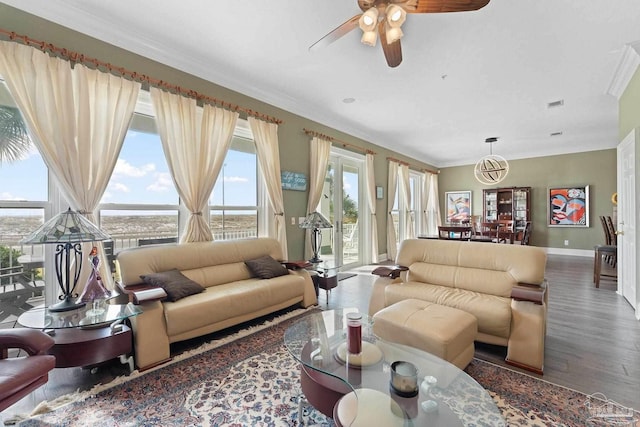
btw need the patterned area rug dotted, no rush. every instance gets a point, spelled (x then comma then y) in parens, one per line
(253, 381)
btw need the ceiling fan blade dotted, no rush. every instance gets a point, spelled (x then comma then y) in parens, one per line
(437, 6)
(393, 51)
(334, 35)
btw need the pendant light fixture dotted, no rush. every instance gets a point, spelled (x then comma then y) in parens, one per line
(491, 169)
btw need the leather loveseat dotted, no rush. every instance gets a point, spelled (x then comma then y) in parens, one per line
(230, 297)
(503, 286)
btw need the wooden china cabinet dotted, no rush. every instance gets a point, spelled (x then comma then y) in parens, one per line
(508, 204)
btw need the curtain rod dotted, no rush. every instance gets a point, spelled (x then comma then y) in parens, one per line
(393, 159)
(79, 58)
(344, 144)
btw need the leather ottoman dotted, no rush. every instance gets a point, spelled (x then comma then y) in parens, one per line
(443, 331)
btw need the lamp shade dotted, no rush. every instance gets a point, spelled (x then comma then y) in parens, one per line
(66, 227)
(315, 220)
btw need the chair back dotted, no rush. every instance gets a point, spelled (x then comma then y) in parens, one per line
(605, 229)
(613, 237)
(459, 232)
(526, 234)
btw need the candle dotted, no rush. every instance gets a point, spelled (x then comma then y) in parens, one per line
(404, 378)
(354, 333)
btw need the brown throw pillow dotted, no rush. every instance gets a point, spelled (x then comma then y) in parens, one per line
(266, 267)
(174, 283)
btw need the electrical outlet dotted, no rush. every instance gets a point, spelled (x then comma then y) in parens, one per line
(566, 243)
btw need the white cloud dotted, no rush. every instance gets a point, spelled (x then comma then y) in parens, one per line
(127, 169)
(235, 179)
(118, 186)
(5, 195)
(163, 183)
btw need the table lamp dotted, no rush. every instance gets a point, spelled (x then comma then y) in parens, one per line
(315, 221)
(67, 230)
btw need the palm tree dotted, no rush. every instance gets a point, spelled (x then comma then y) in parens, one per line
(14, 138)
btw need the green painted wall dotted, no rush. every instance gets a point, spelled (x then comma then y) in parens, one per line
(629, 106)
(294, 143)
(596, 169)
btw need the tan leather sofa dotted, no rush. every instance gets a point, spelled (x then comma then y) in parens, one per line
(503, 286)
(231, 295)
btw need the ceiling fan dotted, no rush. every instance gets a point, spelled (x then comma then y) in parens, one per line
(386, 17)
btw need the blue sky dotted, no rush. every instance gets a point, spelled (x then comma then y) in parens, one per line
(141, 175)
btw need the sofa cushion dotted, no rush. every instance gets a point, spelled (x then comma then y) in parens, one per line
(222, 302)
(493, 312)
(265, 267)
(174, 283)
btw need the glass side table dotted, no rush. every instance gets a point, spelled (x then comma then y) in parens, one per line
(86, 336)
(327, 275)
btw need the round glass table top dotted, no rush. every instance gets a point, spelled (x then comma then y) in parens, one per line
(440, 394)
(85, 317)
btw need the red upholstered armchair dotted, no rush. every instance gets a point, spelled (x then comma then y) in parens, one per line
(23, 374)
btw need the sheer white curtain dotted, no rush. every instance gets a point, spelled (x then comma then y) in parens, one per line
(195, 142)
(405, 193)
(265, 135)
(392, 245)
(320, 149)
(433, 219)
(371, 199)
(77, 118)
(424, 183)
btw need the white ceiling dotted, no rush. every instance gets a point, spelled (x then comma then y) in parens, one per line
(465, 76)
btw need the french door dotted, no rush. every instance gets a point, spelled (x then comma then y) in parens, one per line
(342, 203)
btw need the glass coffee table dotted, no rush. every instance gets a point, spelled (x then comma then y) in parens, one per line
(332, 379)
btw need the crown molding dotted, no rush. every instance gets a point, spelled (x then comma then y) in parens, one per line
(626, 68)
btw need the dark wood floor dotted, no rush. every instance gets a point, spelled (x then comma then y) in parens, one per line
(593, 338)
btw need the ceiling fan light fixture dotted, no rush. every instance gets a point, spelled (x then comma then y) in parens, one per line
(369, 20)
(394, 34)
(369, 38)
(395, 15)
(368, 23)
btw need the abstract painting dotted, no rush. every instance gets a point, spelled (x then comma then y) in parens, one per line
(568, 207)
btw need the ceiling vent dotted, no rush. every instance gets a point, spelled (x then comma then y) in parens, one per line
(554, 104)
(555, 134)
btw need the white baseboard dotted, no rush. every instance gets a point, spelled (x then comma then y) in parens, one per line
(570, 252)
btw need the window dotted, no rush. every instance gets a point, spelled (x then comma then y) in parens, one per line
(399, 205)
(23, 199)
(234, 209)
(141, 201)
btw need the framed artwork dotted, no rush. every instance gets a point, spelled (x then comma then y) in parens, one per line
(458, 205)
(568, 207)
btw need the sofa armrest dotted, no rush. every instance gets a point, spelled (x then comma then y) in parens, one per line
(296, 265)
(392, 271)
(33, 341)
(528, 292)
(139, 294)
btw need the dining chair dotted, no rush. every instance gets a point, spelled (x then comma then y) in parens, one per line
(454, 232)
(506, 231)
(526, 233)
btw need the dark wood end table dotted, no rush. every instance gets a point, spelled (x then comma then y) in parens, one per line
(83, 338)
